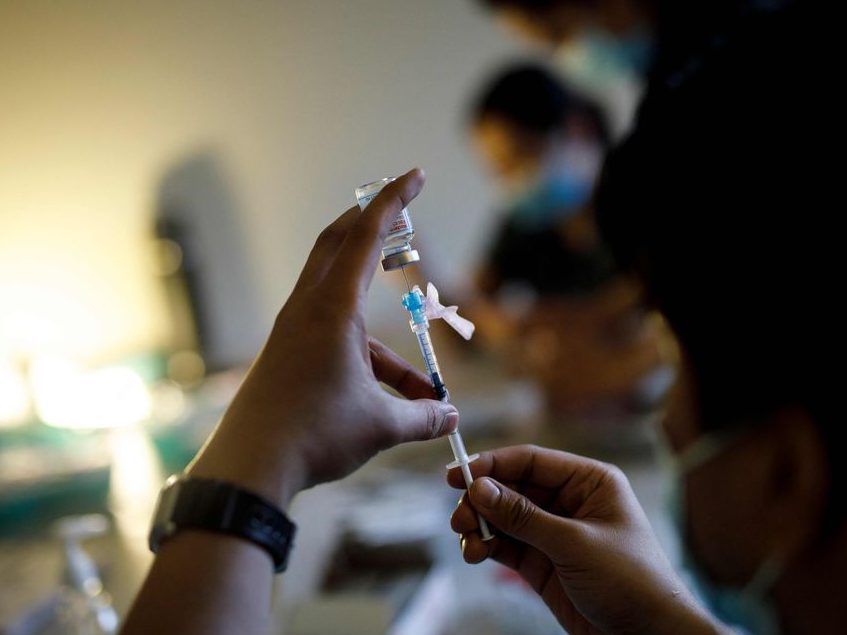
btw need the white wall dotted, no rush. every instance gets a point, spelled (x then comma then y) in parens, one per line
(301, 100)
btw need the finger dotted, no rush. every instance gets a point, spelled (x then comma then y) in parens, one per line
(539, 467)
(394, 371)
(464, 519)
(326, 247)
(535, 568)
(504, 550)
(355, 263)
(519, 517)
(532, 565)
(528, 463)
(474, 550)
(418, 420)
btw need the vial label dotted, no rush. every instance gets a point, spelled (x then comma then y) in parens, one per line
(402, 223)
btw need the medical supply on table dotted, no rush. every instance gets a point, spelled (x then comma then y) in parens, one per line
(397, 253)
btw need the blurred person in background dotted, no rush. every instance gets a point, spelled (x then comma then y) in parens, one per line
(603, 47)
(580, 331)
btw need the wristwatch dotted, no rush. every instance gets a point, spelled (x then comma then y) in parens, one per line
(220, 507)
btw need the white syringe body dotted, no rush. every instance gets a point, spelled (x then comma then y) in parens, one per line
(463, 461)
(414, 303)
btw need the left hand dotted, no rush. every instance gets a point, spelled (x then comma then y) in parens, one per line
(311, 408)
(575, 532)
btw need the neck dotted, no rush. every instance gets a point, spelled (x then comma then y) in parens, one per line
(810, 595)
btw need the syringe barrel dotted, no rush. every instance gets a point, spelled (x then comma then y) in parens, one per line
(415, 303)
(431, 363)
(425, 343)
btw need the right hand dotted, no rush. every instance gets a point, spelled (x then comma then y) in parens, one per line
(574, 530)
(312, 408)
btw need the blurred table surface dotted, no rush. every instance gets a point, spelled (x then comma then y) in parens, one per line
(495, 412)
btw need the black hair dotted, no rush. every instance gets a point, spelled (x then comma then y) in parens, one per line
(534, 99)
(729, 226)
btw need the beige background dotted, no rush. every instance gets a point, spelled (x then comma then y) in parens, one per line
(298, 101)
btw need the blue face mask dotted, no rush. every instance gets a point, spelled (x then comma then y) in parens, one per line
(549, 201)
(559, 191)
(600, 57)
(749, 609)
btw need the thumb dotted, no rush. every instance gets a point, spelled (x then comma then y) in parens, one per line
(516, 515)
(421, 419)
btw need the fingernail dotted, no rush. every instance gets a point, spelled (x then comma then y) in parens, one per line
(486, 492)
(451, 420)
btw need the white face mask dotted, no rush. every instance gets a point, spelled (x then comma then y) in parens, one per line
(750, 609)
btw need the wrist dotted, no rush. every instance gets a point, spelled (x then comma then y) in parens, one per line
(270, 469)
(683, 614)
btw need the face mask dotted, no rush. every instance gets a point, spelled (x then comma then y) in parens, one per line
(610, 69)
(599, 57)
(748, 609)
(559, 190)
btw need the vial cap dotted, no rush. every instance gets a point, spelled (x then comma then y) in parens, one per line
(395, 261)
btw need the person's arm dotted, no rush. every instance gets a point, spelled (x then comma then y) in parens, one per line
(310, 410)
(574, 530)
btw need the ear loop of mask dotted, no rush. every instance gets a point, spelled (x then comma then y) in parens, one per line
(703, 450)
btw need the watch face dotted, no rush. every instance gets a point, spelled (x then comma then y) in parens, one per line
(163, 525)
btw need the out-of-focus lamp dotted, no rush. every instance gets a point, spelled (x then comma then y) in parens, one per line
(66, 397)
(15, 404)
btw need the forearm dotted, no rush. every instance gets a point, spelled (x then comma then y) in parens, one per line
(208, 583)
(204, 583)
(310, 410)
(683, 614)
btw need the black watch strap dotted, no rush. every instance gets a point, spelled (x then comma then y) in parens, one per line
(220, 507)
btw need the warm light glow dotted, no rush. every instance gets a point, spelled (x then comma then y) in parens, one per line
(14, 396)
(137, 475)
(66, 397)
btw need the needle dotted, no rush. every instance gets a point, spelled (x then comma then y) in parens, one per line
(408, 286)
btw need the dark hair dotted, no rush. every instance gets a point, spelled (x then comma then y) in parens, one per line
(733, 232)
(532, 98)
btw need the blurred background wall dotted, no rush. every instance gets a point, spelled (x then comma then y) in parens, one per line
(106, 107)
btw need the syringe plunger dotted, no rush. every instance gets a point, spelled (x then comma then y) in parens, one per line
(415, 303)
(463, 461)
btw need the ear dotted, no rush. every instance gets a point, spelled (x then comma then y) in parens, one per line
(797, 483)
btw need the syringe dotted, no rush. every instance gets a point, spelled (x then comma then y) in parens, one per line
(397, 252)
(414, 302)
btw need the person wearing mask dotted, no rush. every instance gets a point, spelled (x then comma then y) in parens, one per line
(721, 202)
(603, 47)
(726, 223)
(581, 333)
(542, 146)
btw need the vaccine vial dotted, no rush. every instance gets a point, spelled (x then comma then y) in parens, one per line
(396, 248)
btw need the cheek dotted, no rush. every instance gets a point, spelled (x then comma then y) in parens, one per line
(725, 523)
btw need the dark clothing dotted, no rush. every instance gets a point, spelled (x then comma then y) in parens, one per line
(541, 259)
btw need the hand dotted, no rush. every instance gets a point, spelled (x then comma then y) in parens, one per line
(574, 530)
(311, 408)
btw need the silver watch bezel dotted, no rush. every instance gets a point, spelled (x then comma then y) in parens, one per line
(163, 525)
